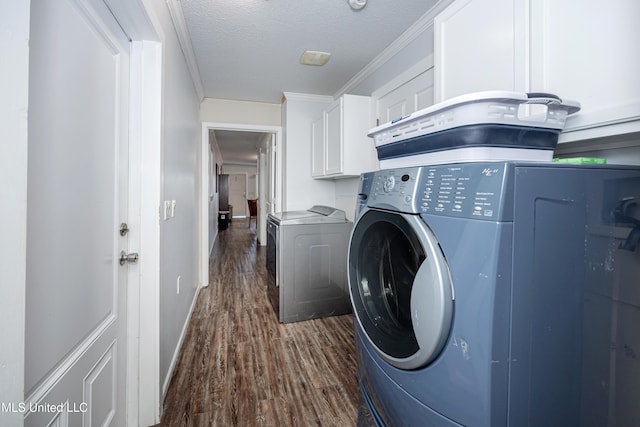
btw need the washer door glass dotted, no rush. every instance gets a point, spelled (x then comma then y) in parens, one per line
(400, 287)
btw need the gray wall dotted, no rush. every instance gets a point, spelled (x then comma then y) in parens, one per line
(180, 182)
(300, 190)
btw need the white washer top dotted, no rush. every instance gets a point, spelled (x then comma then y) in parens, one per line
(315, 215)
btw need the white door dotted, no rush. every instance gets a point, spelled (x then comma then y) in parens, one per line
(75, 333)
(238, 194)
(333, 156)
(317, 146)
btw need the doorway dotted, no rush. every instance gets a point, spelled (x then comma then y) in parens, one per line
(210, 210)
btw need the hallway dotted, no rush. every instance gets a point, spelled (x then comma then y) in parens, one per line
(239, 367)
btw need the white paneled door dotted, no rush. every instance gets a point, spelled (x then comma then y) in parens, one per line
(238, 193)
(77, 199)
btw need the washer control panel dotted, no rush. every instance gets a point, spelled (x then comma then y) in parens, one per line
(395, 189)
(467, 190)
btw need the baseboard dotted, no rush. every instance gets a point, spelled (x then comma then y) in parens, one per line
(215, 237)
(176, 354)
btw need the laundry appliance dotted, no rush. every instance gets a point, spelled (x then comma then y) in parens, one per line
(498, 294)
(306, 263)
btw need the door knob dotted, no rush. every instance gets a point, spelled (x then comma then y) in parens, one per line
(126, 258)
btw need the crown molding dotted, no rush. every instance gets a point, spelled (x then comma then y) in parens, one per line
(293, 96)
(136, 19)
(175, 10)
(423, 24)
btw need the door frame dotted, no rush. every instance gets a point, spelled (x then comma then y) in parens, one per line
(13, 190)
(147, 40)
(204, 181)
(144, 399)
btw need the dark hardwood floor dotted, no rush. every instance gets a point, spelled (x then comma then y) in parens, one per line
(240, 367)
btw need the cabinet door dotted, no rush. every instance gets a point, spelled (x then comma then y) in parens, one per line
(589, 52)
(407, 98)
(479, 45)
(333, 147)
(317, 146)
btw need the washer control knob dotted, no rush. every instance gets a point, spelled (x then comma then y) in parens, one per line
(389, 183)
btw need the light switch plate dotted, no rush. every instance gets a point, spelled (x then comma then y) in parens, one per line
(167, 209)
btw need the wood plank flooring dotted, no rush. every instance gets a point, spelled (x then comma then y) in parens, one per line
(240, 367)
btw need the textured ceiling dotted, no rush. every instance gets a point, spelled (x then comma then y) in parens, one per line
(238, 147)
(250, 49)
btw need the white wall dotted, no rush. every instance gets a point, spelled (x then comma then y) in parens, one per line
(179, 236)
(618, 150)
(346, 196)
(14, 49)
(240, 112)
(246, 169)
(300, 190)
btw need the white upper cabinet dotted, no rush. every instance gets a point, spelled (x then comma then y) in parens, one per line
(479, 46)
(580, 50)
(409, 97)
(589, 52)
(335, 139)
(340, 146)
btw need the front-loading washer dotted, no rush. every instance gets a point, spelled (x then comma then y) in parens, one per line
(489, 294)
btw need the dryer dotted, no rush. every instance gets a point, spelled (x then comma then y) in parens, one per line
(305, 260)
(489, 294)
